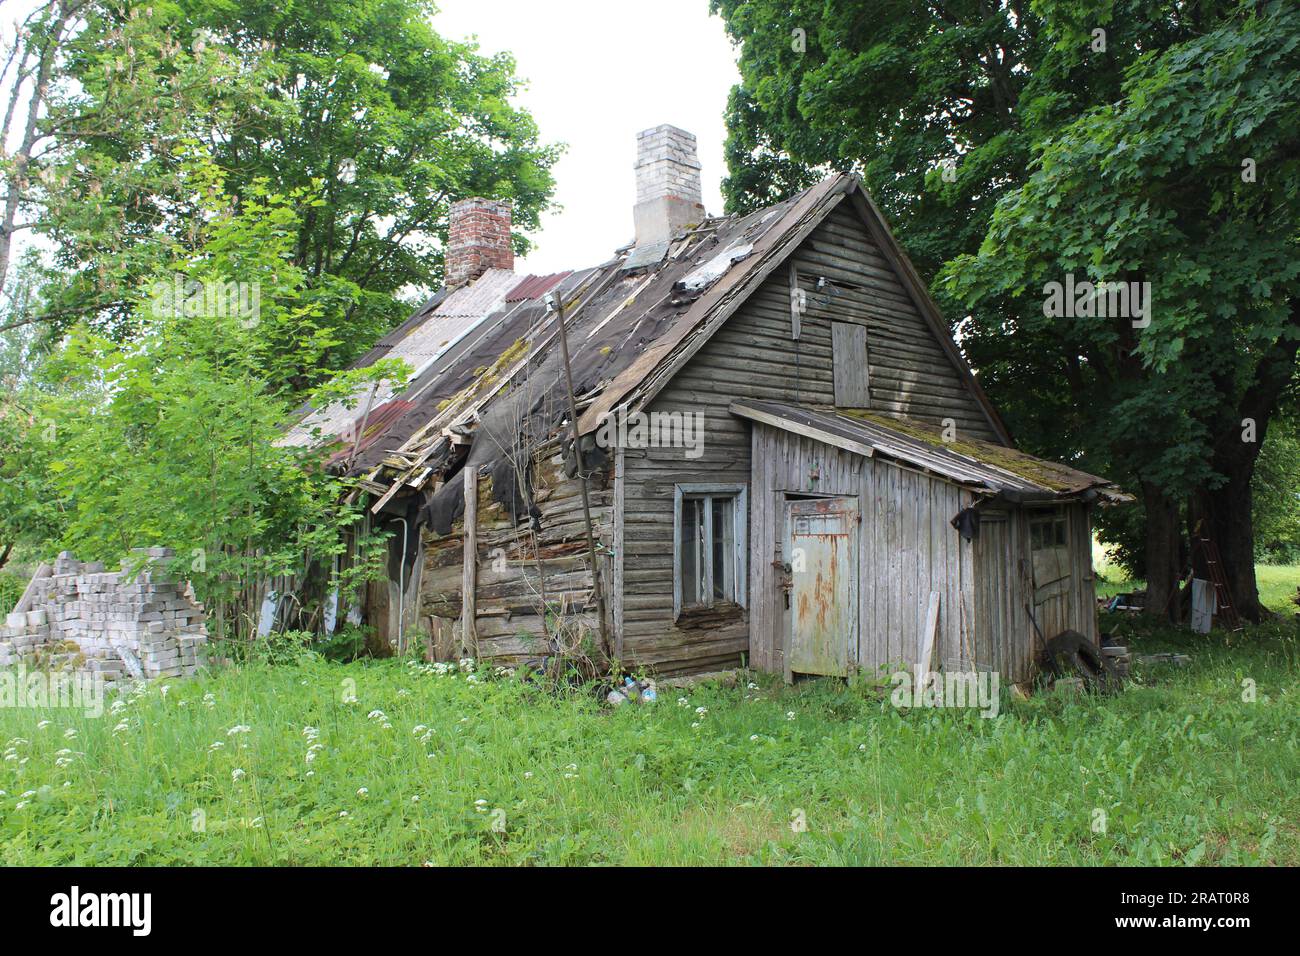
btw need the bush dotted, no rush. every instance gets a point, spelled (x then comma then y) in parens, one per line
(11, 589)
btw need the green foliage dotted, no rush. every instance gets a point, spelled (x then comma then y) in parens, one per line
(894, 88)
(462, 767)
(1152, 188)
(362, 105)
(29, 512)
(1123, 163)
(170, 438)
(1277, 494)
(11, 589)
(129, 91)
(357, 106)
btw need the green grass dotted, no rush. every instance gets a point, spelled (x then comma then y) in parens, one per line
(1277, 586)
(1183, 768)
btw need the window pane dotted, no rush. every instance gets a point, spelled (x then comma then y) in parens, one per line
(690, 545)
(724, 549)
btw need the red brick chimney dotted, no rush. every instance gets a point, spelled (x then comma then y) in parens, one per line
(479, 239)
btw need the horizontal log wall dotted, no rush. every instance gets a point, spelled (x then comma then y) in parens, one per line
(511, 625)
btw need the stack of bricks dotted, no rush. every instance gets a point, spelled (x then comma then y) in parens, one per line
(101, 621)
(667, 165)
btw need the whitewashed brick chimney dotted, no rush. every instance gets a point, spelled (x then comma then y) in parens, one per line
(667, 184)
(478, 239)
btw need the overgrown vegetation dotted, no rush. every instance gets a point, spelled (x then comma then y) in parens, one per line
(232, 202)
(395, 763)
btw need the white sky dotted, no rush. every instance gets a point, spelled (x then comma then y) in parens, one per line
(598, 72)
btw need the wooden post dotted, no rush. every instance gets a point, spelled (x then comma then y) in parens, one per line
(927, 642)
(597, 589)
(469, 573)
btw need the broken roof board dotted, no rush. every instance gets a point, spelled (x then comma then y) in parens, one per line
(976, 464)
(630, 330)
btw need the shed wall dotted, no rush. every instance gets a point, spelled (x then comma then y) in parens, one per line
(906, 549)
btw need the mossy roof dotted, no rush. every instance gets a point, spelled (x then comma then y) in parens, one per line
(967, 461)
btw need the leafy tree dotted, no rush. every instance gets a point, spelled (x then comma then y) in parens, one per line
(894, 89)
(1277, 494)
(1110, 156)
(100, 100)
(1191, 181)
(171, 437)
(359, 101)
(390, 123)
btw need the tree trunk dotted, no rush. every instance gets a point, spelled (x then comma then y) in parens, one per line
(1162, 540)
(1229, 522)
(1223, 515)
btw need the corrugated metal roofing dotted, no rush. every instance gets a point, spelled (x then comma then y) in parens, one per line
(377, 423)
(977, 464)
(534, 287)
(419, 341)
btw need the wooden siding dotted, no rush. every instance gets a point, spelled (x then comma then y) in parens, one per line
(906, 549)
(1005, 638)
(509, 620)
(753, 356)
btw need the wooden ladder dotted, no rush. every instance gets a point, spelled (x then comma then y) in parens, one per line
(1222, 596)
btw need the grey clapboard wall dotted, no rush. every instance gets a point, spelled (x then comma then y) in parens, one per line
(906, 549)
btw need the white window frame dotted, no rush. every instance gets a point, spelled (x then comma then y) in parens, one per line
(740, 518)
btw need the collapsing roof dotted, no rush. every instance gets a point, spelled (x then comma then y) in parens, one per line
(983, 467)
(487, 383)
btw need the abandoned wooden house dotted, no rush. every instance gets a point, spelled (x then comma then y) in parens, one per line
(786, 459)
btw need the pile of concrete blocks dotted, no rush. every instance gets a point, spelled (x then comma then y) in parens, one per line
(136, 622)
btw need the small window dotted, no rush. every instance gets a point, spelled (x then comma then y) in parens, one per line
(709, 524)
(850, 368)
(1047, 532)
(1049, 548)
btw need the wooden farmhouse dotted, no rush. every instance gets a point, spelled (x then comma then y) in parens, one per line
(786, 459)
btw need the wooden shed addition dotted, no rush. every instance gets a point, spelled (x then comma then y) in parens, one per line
(876, 525)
